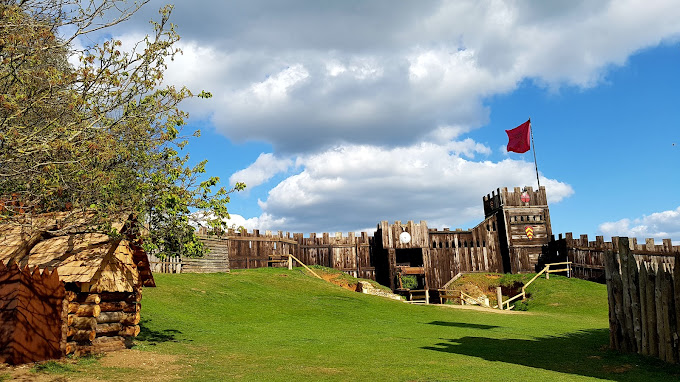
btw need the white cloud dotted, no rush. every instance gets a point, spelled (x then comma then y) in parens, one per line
(356, 186)
(263, 169)
(308, 78)
(659, 225)
(264, 222)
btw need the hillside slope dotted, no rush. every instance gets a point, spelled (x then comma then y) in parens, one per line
(275, 324)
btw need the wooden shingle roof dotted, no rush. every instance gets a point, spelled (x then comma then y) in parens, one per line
(78, 257)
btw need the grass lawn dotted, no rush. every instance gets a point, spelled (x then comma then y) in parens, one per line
(273, 324)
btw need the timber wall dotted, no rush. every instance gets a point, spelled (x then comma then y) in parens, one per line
(351, 253)
(100, 322)
(31, 314)
(588, 257)
(643, 287)
(453, 252)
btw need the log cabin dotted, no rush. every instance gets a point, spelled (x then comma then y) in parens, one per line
(102, 278)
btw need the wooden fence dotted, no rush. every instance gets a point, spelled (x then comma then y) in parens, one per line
(351, 254)
(168, 264)
(643, 287)
(588, 257)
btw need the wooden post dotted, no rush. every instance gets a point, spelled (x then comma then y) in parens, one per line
(625, 258)
(290, 263)
(427, 297)
(643, 308)
(499, 296)
(634, 292)
(650, 297)
(569, 269)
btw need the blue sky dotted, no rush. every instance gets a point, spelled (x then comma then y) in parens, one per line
(338, 115)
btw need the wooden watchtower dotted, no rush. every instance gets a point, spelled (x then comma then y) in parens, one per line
(524, 225)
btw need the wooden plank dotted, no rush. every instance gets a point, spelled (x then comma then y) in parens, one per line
(658, 298)
(650, 298)
(614, 341)
(411, 270)
(676, 294)
(635, 302)
(624, 258)
(306, 267)
(617, 291)
(669, 319)
(643, 309)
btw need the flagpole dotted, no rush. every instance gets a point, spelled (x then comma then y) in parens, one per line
(533, 148)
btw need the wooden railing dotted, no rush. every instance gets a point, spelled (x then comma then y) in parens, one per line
(464, 297)
(523, 294)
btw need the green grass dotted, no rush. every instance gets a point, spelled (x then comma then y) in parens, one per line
(69, 365)
(280, 325)
(53, 367)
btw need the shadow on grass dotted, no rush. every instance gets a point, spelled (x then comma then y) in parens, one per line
(156, 336)
(583, 353)
(462, 325)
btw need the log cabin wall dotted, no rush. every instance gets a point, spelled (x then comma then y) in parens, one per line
(100, 322)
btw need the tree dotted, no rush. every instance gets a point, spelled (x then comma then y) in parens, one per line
(102, 136)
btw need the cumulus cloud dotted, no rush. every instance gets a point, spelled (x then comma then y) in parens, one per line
(659, 225)
(305, 78)
(263, 169)
(355, 186)
(265, 221)
(370, 100)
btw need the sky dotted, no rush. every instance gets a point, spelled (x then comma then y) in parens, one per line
(340, 114)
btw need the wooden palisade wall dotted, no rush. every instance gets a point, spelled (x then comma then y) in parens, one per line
(588, 257)
(643, 289)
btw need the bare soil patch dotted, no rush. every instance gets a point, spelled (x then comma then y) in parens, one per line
(123, 365)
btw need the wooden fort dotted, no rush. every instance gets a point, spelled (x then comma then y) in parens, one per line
(100, 279)
(509, 239)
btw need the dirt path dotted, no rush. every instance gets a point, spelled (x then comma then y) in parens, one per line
(121, 365)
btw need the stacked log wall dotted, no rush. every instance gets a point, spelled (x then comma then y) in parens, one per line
(215, 261)
(101, 322)
(31, 314)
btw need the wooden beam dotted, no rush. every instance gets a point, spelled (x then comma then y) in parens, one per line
(306, 267)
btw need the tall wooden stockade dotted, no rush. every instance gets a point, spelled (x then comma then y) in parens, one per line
(510, 239)
(643, 287)
(351, 253)
(588, 257)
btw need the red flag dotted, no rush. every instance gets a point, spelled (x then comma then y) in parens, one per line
(519, 138)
